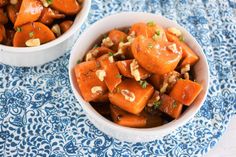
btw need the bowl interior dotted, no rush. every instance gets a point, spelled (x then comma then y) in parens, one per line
(121, 20)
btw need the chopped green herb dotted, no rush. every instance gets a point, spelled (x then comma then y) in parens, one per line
(49, 1)
(158, 32)
(118, 76)
(150, 45)
(174, 104)
(31, 34)
(111, 54)
(181, 38)
(79, 61)
(151, 23)
(18, 29)
(156, 104)
(143, 83)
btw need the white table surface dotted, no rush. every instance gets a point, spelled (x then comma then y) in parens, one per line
(226, 147)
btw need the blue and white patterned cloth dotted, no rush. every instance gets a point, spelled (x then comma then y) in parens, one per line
(39, 116)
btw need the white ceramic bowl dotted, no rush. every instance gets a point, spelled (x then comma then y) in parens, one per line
(39, 55)
(126, 19)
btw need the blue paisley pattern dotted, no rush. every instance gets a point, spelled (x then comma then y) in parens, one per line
(39, 115)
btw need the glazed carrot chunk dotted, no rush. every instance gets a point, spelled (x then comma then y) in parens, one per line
(156, 80)
(124, 118)
(112, 78)
(124, 68)
(189, 57)
(3, 17)
(159, 58)
(131, 96)
(116, 37)
(48, 16)
(149, 30)
(185, 91)
(68, 7)
(139, 29)
(30, 11)
(12, 13)
(3, 3)
(32, 31)
(2, 33)
(65, 25)
(170, 106)
(90, 86)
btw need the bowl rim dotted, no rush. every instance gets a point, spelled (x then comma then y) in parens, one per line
(170, 126)
(80, 18)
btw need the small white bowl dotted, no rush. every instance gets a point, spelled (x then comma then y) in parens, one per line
(122, 20)
(33, 56)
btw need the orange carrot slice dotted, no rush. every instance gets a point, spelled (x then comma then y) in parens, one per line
(155, 57)
(65, 25)
(68, 7)
(131, 96)
(2, 33)
(189, 57)
(124, 68)
(90, 86)
(30, 31)
(185, 91)
(124, 118)
(116, 37)
(30, 11)
(169, 106)
(113, 77)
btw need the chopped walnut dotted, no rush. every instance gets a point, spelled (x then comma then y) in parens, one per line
(185, 69)
(169, 81)
(122, 47)
(91, 55)
(131, 37)
(107, 42)
(32, 42)
(173, 48)
(96, 89)
(128, 95)
(13, 2)
(174, 31)
(111, 59)
(134, 70)
(101, 74)
(155, 98)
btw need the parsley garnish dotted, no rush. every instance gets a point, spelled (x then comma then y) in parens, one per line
(111, 54)
(18, 29)
(31, 34)
(151, 23)
(150, 45)
(158, 32)
(181, 38)
(118, 76)
(174, 104)
(156, 104)
(49, 1)
(143, 83)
